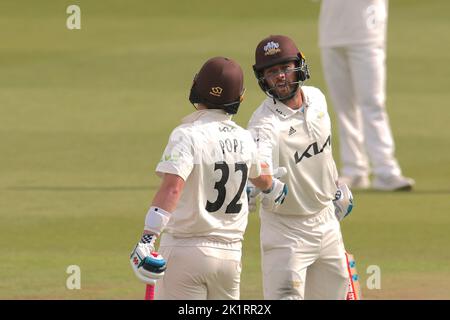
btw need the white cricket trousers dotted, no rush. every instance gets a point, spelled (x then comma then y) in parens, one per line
(199, 270)
(356, 80)
(303, 257)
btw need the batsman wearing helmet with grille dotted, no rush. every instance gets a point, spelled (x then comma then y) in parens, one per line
(303, 255)
(202, 205)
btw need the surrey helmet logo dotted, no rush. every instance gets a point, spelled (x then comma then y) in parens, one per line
(271, 48)
(216, 91)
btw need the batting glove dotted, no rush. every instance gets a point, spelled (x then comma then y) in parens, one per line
(279, 172)
(343, 202)
(252, 194)
(273, 197)
(147, 264)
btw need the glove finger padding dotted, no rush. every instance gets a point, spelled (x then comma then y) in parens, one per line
(343, 202)
(252, 191)
(147, 264)
(275, 196)
(154, 265)
(252, 194)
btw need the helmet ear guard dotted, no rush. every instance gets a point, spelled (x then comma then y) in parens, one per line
(193, 96)
(303, 73)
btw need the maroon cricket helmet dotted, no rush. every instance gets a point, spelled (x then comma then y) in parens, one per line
(219, 85)
(278, 49)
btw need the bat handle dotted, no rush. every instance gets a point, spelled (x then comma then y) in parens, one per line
(150, 292)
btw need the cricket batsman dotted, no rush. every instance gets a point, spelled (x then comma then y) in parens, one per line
(201, 208)
(303, 255)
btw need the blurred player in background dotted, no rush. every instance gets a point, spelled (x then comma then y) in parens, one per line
(201, 204)
(352, 37)
(303, 255)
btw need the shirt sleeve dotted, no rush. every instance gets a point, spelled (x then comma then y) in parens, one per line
(264, 136)
(178, 157)
(255, 168)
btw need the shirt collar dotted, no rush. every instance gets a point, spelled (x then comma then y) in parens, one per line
(282, 110)
(207, 114)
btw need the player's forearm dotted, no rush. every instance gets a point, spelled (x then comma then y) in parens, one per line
(167, 198)
(163, 204)
(263, 182)
(169, 192)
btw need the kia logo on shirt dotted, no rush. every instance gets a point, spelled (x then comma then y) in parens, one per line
(308, 153)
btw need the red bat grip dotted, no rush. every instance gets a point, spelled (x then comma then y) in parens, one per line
(149, 292)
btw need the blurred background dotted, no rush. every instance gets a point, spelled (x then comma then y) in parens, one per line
(85, 115)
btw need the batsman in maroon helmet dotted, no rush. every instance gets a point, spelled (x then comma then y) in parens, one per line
(303, 255)
(201, 208)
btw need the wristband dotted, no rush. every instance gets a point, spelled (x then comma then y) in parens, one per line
(270, 189)
(156, 220)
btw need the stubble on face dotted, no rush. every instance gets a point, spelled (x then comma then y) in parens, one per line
(281, 81)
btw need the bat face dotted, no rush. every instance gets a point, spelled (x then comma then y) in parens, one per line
(354, 288)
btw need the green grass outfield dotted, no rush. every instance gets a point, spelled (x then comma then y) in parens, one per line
(85, 115)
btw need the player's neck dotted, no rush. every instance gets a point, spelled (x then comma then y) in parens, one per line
(296, 101)
(200, 106)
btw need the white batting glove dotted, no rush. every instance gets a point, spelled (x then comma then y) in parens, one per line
(252, 194)
(343, 202)
(274, 197)
(147, 264)
(279, 172)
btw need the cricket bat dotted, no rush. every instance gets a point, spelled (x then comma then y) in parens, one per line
(354, 288)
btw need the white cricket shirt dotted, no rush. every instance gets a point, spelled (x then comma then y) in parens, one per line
(347, 22)
(215, 157)
(299, 140)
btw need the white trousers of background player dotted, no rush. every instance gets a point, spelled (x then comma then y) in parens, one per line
(356, 80)
(199, 273)
(303, 257)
